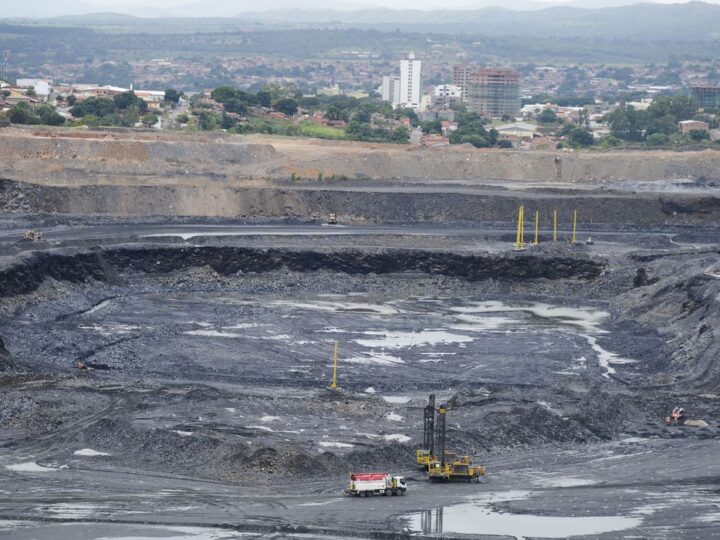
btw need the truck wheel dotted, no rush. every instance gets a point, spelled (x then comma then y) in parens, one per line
(363, 494)
(388, 492)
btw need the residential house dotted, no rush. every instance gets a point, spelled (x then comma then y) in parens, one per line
(686, 126)
(40, 86)
(517, 131)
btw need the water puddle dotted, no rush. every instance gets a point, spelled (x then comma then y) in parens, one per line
(396, 399)
(563, 482)
(377, 358)
(112, 329)
(30, 467)
(397, 437)
(473, 519)
(214, 333)
(97, 307)
(399, 340)
(340, 307)
(89, 452)
(606, 358)
(334, 444)
(588, 319)
(71, 510)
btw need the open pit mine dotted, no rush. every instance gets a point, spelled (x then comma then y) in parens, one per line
(191, 347)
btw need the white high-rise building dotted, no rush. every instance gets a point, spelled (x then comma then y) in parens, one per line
(396, 92)
(410, 82)
(390, 90)
(386, 88)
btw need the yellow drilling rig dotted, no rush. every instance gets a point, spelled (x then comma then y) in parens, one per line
(440, 463)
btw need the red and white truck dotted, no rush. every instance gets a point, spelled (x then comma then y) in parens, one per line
(368, 484)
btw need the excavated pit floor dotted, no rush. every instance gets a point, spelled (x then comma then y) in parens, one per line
(207, 416)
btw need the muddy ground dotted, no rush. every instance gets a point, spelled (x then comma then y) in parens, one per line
(207, 413)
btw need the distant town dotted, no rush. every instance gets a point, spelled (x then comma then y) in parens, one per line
(412, 100)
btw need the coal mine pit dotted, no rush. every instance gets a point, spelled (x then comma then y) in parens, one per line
(180, 389)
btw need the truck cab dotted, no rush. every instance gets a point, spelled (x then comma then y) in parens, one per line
(398, 485)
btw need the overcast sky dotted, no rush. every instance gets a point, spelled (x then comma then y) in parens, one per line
(418, 4)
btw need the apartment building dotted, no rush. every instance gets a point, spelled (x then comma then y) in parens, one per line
(489, 92)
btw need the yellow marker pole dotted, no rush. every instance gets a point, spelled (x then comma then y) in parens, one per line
(517, 229)
(520, 236)
(574, 225)
(554, 225)
(333, 386)
(537, 218)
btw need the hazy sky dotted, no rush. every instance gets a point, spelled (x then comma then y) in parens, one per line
(418, 4)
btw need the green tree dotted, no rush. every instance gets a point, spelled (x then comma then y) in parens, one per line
(236, 105)
(227, 122)
(680, 107)
(127, 99)
(223, 94)
(548, 116)
(4, 120)
(580, 137)
(408, 113)
(30, 92)
(363, 116)
(657, 139)
(664, 124)
(286, 106)
(476, 140)
(22, 114)
(182, 118)
(172, 95)
(610, 140)
(264, 98)
(94, 106)
(504, 143)
(626, 122)
(584, 119)
(334, 112)
(401, 135)
(150, 120)
(49, 116)
(207, 120)
(71, 99)
(431, 126)
(698, 135)
(493, 136)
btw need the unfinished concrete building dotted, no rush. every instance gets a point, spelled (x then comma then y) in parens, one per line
(490, 92)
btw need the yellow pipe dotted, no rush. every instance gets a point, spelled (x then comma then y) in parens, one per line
(554, 225)
(574, 225)
(334, 381)
(537, 217)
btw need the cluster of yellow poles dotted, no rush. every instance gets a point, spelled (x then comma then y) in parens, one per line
(520, 237)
